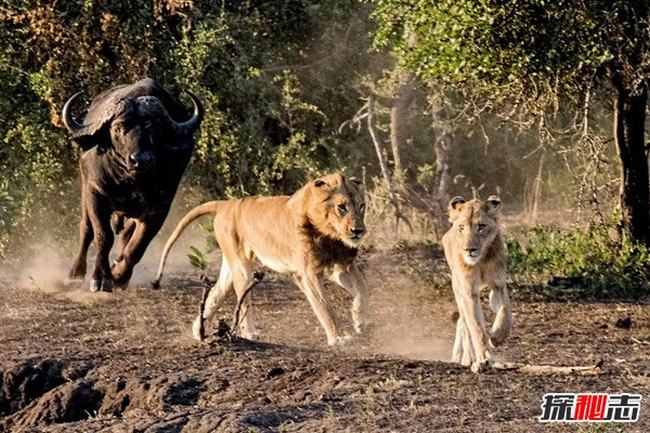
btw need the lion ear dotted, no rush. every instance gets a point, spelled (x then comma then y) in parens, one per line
(355, 180)
(356, 183)
(493, 204)
(455, 207)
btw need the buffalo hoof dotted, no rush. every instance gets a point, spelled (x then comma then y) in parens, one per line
(120, 278)
(103, 285)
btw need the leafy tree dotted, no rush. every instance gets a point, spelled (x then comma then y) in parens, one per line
(275, 78)
(533, 50)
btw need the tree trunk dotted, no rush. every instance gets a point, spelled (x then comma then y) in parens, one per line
(442, 178)
(404, 166)
(629, 132)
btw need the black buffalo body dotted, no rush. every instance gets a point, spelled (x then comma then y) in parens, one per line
(136, 142)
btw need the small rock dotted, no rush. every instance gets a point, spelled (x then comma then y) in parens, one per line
(275, 372)
(625, 323)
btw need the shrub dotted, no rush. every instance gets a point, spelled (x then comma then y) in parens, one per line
(597, 259)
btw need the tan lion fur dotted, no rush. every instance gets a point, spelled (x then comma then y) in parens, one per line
(311, 234)
(476, 256)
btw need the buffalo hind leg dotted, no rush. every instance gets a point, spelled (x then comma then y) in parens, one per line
(99, 214)
(78, 270)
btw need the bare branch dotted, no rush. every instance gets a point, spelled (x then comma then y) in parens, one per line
(382, 165)
(582, 370)
(258, 276)
(206, 292)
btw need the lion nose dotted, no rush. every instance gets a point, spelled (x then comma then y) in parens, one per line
(357, 231)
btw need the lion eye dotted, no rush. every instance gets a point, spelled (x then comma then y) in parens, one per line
(481, 227)
(362, 207)
(461, 227)
(342, 208)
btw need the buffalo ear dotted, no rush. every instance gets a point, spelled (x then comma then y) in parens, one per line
(493, 204)
(85, 142)
(98, 120)
(455, 207)
(100, 138)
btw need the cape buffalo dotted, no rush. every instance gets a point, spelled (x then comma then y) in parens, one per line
(136, 141)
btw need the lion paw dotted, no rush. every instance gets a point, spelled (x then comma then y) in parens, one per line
(360, 328)
(196, 329)
(481, 366)
(254, 335)
(341, 340)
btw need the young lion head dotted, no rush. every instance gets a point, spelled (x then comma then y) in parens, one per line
(475, 224)
(335, 206)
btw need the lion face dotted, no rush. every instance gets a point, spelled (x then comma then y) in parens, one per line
(475, 225)
(337, 208)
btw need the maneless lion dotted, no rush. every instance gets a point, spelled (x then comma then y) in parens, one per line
(313, 233)
(476, 256)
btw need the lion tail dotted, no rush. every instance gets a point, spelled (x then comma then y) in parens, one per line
(199, 211)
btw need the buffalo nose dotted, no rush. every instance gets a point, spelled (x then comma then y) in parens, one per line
(133, 160)
(141, 159)
(357, 231)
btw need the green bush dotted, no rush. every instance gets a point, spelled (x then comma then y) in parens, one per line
(597, 259)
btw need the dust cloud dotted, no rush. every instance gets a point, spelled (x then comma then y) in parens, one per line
(406, 319)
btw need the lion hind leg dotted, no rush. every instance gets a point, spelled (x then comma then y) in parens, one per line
(217, 295)
(243, 278)
(500, 304)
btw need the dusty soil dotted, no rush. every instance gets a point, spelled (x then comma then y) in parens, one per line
(73, 361)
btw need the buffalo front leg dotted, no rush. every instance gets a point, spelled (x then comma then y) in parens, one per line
(144, 232)
(78, 270)
(99, 214)
(124, 229)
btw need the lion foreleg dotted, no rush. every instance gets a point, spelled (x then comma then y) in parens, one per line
(457, 350)
(469, 305)
(354, 282)
(312, 287)
(469, 355)
(500, 304)
(462, 352)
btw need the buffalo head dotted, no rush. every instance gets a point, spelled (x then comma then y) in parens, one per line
(131, 128)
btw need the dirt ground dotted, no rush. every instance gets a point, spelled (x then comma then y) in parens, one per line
(73, 361)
